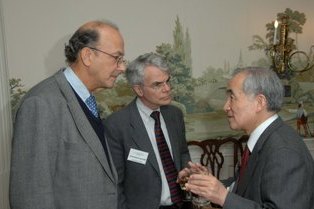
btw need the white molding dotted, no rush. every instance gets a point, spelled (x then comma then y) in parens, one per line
(5, 120)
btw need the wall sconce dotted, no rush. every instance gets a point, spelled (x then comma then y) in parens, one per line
(285, 61)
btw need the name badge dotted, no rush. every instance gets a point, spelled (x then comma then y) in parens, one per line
(138, 156)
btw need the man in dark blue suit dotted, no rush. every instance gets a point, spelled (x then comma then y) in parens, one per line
(280, 169)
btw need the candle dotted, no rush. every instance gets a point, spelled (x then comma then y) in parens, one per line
(275, 34)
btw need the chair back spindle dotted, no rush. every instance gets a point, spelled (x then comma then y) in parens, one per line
(212, 155)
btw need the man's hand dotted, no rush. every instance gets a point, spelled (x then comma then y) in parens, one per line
(208, 186)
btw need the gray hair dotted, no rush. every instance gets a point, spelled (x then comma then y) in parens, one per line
(135, 70)
(263, 81)
(86, 35)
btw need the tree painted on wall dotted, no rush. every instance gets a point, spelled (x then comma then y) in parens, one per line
(178, 57)
(182, 44)
(16, 93)
(181, 81)
(295, 22)
(188, 51)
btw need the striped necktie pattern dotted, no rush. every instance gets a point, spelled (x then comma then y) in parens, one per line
(166, 159)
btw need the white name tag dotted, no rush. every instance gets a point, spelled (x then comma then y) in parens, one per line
(138, 156)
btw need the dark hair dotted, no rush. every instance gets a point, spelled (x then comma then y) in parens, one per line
(80, 39)
(84, 36)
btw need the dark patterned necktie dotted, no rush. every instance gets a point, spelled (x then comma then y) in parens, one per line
(166, 159)
(91, 103)
(244, 162)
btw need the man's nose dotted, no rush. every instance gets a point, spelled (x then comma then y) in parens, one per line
(122, 67)
(167, 86)
(226, 106)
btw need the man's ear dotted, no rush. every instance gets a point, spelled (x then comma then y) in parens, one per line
(138, 90)
(86, 56)
(261, 102)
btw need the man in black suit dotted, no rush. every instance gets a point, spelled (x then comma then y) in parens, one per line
(143, 178)
(280, 169)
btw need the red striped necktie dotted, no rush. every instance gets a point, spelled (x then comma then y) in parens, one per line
(244, 162)
(166, 159)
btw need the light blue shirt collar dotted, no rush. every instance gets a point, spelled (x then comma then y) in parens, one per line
(76, 84)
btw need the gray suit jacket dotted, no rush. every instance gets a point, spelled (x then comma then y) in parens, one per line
(140, 185)
(58, 161)
(280, 173)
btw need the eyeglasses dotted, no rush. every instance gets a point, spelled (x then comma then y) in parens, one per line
(158, 86)
(119, 59)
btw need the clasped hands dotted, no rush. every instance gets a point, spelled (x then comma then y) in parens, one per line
(203, 183)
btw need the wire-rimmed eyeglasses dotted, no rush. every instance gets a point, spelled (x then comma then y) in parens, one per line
(119, 59)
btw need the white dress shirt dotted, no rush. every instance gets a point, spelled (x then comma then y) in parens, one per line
(149, 123)
(254, 136)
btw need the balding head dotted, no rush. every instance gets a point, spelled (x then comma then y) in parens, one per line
(95, 54)
(87, 35)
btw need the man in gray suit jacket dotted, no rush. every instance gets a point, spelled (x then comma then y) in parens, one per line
(143, 179)
(60, 157)
(280, 170)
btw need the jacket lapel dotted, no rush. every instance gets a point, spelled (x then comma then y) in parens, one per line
(253, 160)
(140, 136)
(171, 128)
(83, 124)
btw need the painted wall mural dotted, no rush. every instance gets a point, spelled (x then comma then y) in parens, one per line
(200, 91)
(202, 98)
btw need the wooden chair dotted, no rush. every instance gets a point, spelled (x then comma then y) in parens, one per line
(212, 156)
